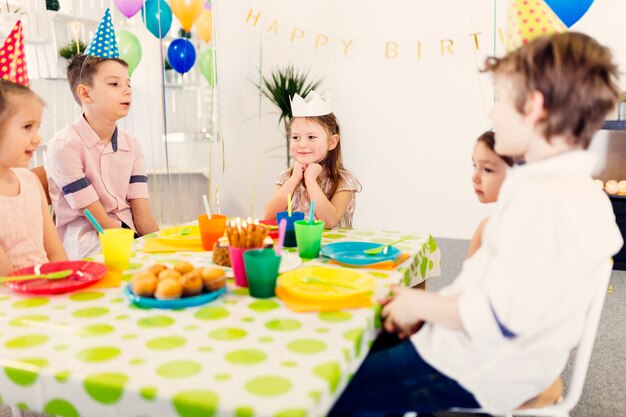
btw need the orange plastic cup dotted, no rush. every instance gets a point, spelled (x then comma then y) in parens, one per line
(211, 229)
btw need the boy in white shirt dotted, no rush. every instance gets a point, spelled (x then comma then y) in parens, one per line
(503, 330)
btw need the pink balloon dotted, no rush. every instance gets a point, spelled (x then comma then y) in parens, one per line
(129, 8)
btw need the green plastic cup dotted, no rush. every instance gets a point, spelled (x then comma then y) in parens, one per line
(309, 238)
(261, 270)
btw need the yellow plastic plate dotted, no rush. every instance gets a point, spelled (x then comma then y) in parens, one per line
(180, 235)
(323, 283)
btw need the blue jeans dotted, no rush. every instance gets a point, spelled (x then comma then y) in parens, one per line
(394, 379)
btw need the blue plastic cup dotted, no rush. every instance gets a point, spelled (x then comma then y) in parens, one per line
(290, 234)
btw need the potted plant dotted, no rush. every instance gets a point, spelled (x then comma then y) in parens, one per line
(72, 48)
(283, 84)
(52, 5)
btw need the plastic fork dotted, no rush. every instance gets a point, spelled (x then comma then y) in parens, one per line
(52, 275)
(379, 249)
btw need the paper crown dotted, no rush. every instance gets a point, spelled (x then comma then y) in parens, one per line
(12, 57)
(104, 44)
(312, 105)
(529, 19)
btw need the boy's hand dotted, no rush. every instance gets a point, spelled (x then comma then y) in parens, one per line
(298, 170)
(312, 172)
(399, 313)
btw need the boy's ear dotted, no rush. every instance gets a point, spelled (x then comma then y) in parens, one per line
(83, 93)
(534, 110)
(333, 141)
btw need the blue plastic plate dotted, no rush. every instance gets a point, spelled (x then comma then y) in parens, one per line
(351, 253)
(179, 303)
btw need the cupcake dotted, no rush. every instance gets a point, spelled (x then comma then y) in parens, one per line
(183, 267)
(192, 283)
(156, 269)
(170, 274)
(214, 278)
(143, 284)
(168, 289)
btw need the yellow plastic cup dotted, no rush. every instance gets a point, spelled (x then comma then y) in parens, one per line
(116, 247)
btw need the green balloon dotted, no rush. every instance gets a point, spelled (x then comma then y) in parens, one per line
(130, 49)
(207, 59)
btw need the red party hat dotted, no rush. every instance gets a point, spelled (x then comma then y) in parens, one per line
(12, 57)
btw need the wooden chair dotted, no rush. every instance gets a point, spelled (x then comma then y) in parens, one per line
(581, 360)
(43, 178)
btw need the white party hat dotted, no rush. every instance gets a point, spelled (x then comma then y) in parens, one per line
(311, 106)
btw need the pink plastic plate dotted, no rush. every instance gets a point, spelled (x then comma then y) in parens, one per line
(85, 274)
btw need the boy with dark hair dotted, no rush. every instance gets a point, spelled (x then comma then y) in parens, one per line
(502, 332)
(91, 164)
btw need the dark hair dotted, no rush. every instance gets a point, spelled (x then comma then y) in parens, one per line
(576, 76)
(333, 161)
(488, 138)
(82, 68)
(9, 89)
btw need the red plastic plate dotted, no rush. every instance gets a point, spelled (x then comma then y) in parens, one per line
(85, 274)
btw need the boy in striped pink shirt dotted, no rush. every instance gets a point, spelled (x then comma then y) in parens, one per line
(92, 164)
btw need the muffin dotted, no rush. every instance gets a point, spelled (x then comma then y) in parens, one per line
(168, 289)
(143, 284)
(220, 252)
(214, 278)
(192, 283)
(156, 269)
(183, 267)
(170, 274)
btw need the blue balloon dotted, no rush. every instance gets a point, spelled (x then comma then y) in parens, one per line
(155, 11)
(181, 55)
(569, 11)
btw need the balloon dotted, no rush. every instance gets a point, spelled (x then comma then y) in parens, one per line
(129, 8)
(187, 11)
(130, 49)
(569, 11)
(207, 67)
(181, 55)
(204, 25)
(152, 16)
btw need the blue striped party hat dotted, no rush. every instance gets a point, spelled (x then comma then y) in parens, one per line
(104, 44)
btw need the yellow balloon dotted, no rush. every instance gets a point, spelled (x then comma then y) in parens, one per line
(204, 25)
(187, 11)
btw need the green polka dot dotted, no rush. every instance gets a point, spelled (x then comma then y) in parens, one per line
(59, 307)
(4, 297)
(155, 321)
(137, 361)
(148, 393)
(98, 354)
(28, 321)
(27, 341)
(227, 333)
(127, 277)
(266, 339)
(333, 236)
(331, 372)
(222, 377)
(289, 364)
(59, 348)
(321, 330)
(432, 245)
(283, 325)
(25, 371)
(316, 396)
(122, 317)
(179, 369)
(86, 296)
(192, 327)
(23, 406)
(263, 306)
(62, 376)
(116, 300)
(291, 412)
(88, 259)
(212, 313)
(90, 312)
(267, 386)
(129, 336)
(356, 336)
(306, 346)
(241, 291)
(334, 316)
(244, 412)
(381, 275)
(30, 303)
(60, 408)
(166, 343)
(430, 265)
(364, 233)
(96, 330)
(198, 403)
(106, 388)
(247, 319)
(205, 349)
(246, 357)
(134, 265)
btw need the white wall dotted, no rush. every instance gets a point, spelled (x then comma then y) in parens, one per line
(408, 123)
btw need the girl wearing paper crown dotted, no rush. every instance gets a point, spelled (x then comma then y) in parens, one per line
(317, 173)
(27, 232)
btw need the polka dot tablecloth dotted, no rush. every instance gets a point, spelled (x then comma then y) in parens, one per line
(92, 354)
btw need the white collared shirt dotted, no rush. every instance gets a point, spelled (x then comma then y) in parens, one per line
(524, 294)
